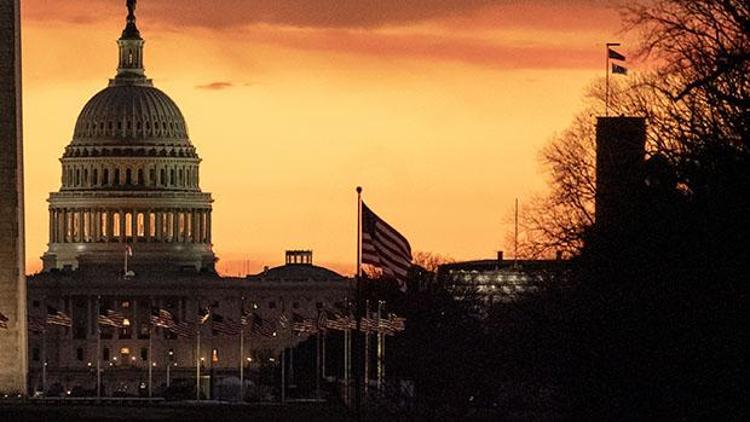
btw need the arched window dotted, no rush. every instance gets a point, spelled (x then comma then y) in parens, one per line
(117, 177)
(180, 177)
(95, 177)
(151, 225)
(140, 177)
(141, 225)
(171, 177)
(128, 177)
(128, 225)
(78, 177)
(152, 176)
(105, 228)
(116, 222)
(163, 177)
(105, 177)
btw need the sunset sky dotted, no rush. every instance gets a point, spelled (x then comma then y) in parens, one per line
(438, 108)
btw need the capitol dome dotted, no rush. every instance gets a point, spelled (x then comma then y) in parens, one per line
(132, 113)
(130, 179)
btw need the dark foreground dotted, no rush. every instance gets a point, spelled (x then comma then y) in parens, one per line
(183, 412)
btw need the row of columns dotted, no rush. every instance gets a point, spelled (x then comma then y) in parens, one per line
(160, 175)
(88, 225)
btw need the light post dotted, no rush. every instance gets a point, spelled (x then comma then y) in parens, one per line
(170, 359)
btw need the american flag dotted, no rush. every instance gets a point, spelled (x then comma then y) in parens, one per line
(37, 324)
(117, 317)
(225, 326)
(105, 320)
(341, 323)
(3, 321)
(162, 318)
(384, 247)
(368, 325)
(183, 329)
(302, 324)
(262, 326)
(55, 317)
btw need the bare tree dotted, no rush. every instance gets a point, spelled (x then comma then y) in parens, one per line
(697, 99)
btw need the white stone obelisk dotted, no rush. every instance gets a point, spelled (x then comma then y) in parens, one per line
(13, 340)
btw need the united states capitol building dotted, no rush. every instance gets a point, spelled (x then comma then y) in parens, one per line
(130, 192)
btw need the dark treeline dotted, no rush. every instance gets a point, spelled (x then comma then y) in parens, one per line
(648, 322)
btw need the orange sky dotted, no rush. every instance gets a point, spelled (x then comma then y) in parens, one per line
(436, 107)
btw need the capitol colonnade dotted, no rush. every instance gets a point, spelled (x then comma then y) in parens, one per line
(102, 225)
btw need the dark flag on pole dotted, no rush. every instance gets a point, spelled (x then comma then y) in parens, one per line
(615, 55)
(384, 247)
(617, 69)
(183, 329)
(3, 321)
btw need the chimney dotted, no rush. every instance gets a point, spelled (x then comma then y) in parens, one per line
(500, 256)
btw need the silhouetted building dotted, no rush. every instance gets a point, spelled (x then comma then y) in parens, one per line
(620, 155)
(500, 280)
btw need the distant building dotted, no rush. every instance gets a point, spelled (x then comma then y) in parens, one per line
(130, 232)
(500, 280)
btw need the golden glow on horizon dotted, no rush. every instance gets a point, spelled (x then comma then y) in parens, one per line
(440, 123)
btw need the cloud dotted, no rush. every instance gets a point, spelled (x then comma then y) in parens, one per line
(222, 14)
(433, 47)
(216, 86)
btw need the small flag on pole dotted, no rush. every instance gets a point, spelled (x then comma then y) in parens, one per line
(615, 55)
(384, 247)
(55, 317)
(225, 326)
(3, 321)
(162, 318)
(617, 69)
(203, 314)
(129, 250)
(183, 329)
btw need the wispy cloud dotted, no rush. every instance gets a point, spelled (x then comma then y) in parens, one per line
(216, 86)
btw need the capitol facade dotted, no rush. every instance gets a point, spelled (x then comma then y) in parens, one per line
(130, 232)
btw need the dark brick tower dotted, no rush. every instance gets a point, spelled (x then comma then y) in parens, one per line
(620, 155)
(13, 356)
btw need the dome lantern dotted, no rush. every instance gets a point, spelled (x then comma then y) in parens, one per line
(130, 70)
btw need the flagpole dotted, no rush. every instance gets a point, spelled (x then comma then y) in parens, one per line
(98, 350)
(607, 61)
(606, 89)
(317, 358)
(358, 303)
(367, 350)
(198, 354)
(242, 349)
(150, 358)
(380, 347)
(44, 350)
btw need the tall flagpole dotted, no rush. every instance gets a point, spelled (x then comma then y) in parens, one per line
(358, 303)
(606, 95)
(198, 354)
(44, 350)
(367, 350)
(98, 349)
(242, 348)
(380, 347)
(150, 353)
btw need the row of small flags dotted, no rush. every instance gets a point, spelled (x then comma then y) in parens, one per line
(162, 318)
